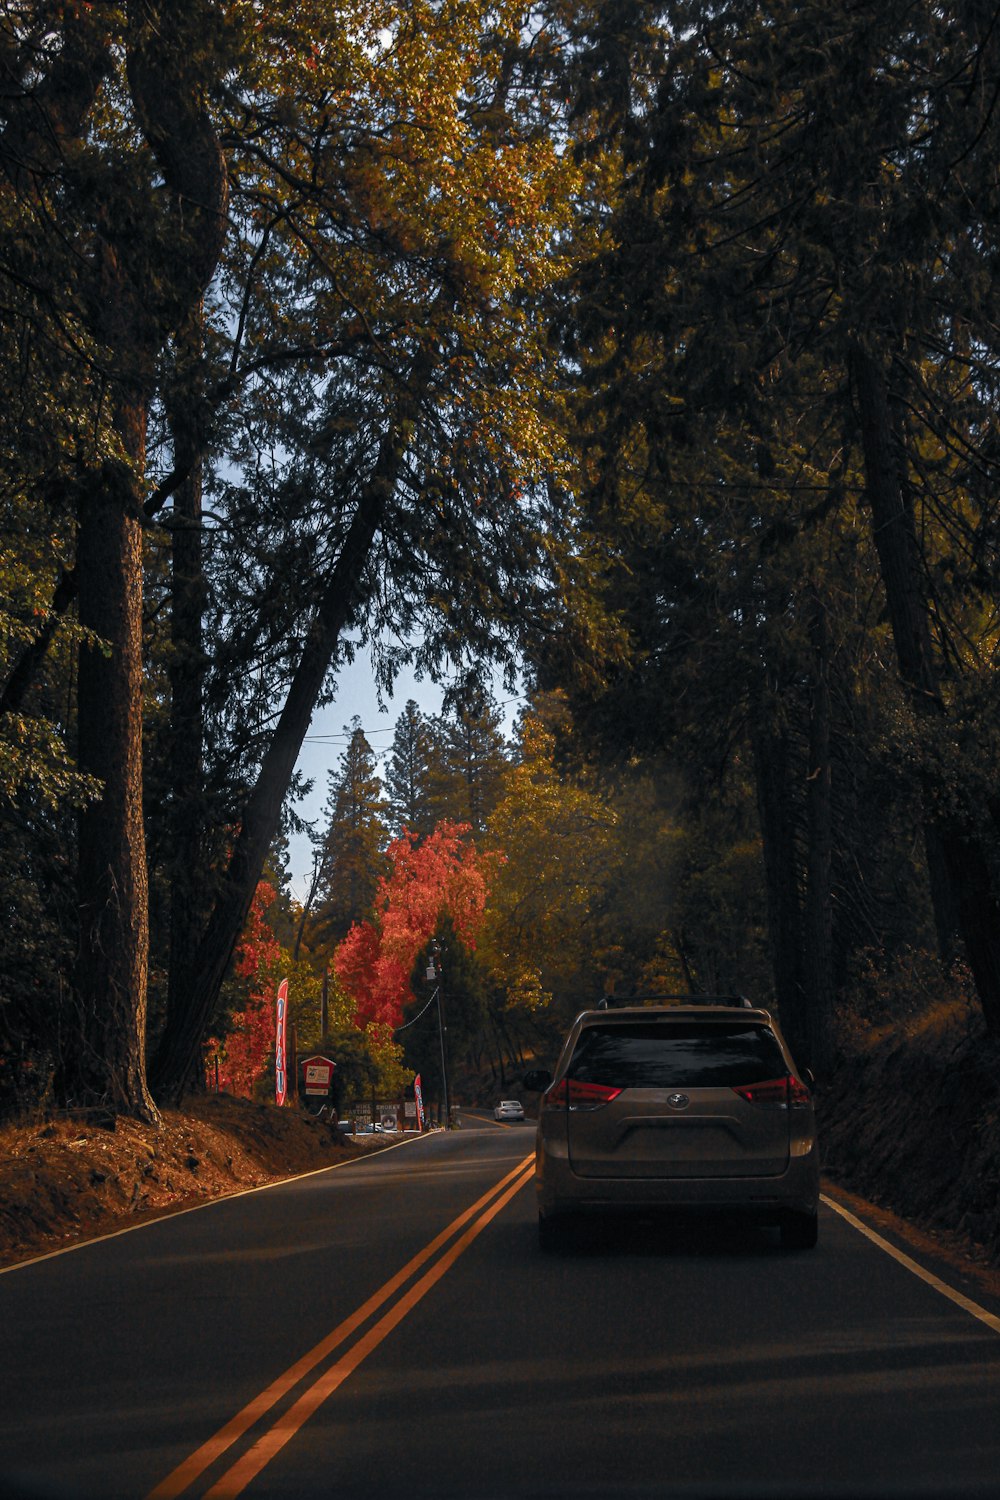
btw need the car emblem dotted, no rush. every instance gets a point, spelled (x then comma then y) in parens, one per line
(678, 1101)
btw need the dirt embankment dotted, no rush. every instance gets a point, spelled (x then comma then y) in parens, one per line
(910, 1119)
(68, 1179)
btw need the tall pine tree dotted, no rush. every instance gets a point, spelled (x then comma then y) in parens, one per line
(410, 772)
(352, 851)
(467, 772)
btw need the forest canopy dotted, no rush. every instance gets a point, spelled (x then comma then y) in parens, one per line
(648, 350)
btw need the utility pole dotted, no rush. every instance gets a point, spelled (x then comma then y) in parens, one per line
(434, 971)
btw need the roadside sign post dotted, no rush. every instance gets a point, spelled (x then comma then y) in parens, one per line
(317, 1077)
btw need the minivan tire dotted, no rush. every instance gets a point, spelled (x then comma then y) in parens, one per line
(800, 1231)
(553, 1233)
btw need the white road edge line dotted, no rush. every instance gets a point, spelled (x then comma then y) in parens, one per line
(965, 1303)
(192, 1208)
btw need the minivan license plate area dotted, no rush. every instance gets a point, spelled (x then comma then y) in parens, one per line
(709, 1138)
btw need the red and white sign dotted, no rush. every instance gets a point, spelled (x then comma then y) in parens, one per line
(280, 1034)
(319, 1074)
(419, 1097)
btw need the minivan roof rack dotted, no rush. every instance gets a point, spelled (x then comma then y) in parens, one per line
(739, 1002)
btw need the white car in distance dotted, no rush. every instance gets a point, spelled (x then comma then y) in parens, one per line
(509, 1109)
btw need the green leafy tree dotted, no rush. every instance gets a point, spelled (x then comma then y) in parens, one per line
(423, 433)
(787, 414)
(460, 989)
(357, 1075)
(268, 333)
(138, 190)
(586, 901)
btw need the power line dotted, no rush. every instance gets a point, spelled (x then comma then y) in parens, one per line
(345, 739)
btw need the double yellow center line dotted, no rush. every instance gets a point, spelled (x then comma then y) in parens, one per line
(285, 1425)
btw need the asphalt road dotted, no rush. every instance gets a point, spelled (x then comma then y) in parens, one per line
(389, 1328)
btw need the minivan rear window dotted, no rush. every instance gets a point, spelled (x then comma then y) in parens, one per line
(662, 1054)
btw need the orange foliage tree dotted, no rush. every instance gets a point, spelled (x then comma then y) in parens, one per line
(444, 875)
(242, 1055)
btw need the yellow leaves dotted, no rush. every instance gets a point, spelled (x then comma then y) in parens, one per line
(388, 158)
(406, 72)
(33, 753)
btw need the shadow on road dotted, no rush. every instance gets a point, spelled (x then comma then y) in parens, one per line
(668, 1237)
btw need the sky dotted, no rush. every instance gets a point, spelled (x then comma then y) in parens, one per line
(326, 740)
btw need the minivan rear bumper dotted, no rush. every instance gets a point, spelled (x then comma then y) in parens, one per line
(560, 1191)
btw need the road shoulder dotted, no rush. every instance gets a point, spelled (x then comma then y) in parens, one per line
(948, 1256)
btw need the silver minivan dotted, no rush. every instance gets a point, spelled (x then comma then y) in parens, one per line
(676, 1108)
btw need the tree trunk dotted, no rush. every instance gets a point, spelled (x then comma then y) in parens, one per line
(104, 1063)
(184, 1034)
(900, 564)
(500, 1070)
(110, 987)
(319, 871)
(188, 894)
(25, 667)
(784, 917)
(134, 296)
(960, 880)
(817, 957)
(681, 949)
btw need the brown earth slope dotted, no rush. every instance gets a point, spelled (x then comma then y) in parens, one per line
(910, 1119)
(68, 1179)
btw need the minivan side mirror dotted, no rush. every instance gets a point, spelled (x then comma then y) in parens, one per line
(538, 1080)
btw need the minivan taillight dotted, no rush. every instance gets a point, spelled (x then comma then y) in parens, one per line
(570, 1093)
(776, 1091)
(798, 1094)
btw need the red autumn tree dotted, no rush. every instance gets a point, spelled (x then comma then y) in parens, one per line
(444, 875)
(243, 1053)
